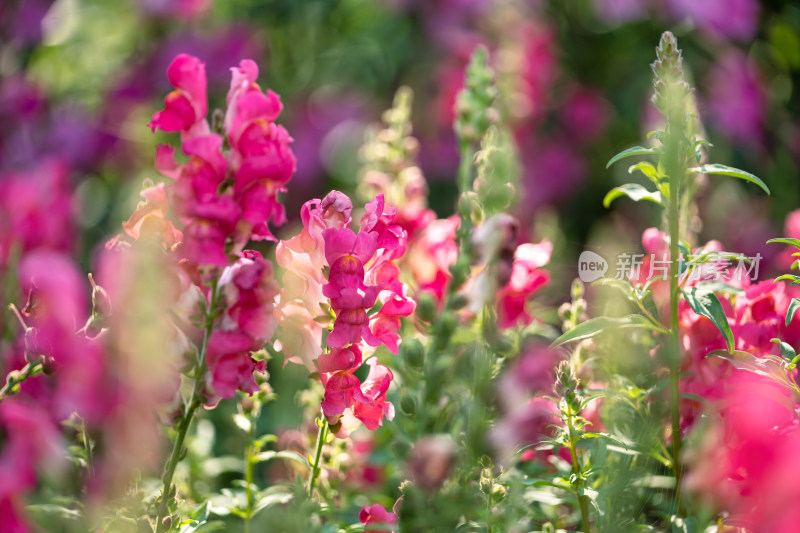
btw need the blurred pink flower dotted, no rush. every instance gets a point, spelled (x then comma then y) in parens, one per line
(732, 19)
(36, 210)
(527, 277)
(376, 514)
(585, 114)
(736, 98)
(747, 462)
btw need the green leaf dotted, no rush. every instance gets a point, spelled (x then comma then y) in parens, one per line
(242, 422)
(768, 366)
(607, 436)
(58, 510)
(719, 286)
(291, 456)
(787, 351)
(786, 240)
(630, 152)
(647, 169)
(792, 310)
(593, 326)
(788, 277)
(277, 495)
(634, 191)
(724, 170)
(196, 518)
(706, 303)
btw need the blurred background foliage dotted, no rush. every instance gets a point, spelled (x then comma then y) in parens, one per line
(79, 80)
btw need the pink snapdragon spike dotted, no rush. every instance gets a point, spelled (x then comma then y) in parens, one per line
(247, 290)
(261, 160)
(185, 108)
(378, 515)
(303, 258)
(361, 274)
(220, 217)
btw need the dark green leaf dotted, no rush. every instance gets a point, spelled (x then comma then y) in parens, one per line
(634, 191)
(724, 170)
(636, 150)
(706, 303)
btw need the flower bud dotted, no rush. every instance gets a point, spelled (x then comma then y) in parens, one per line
(408, 405)
(426, 306)
(413, 353)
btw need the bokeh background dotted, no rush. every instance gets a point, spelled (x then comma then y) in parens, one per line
(79, 80)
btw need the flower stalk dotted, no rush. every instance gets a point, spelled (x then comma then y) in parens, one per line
(186, 420)
(315, 467)
(670, 96)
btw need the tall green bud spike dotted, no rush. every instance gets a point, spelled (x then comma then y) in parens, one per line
(474, 111)
(671, 87)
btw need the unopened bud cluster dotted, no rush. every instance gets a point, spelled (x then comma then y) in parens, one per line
(474, 111)
(566, 389)
(669, 81)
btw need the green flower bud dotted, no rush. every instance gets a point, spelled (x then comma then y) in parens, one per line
(408, 405)
(413, 353)
(426, 306)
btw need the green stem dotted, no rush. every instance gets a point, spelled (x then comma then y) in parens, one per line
(576, 469)
(248, 476)
(186, 420)
(675, 355)
(489, 498)
(321, 436)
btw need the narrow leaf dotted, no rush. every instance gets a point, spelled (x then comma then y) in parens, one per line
(636, 150)
(608, 436)
(593, 326)
(634, 191)
(724, 170)
(707, 304)
(788, 277)
(786, 240)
